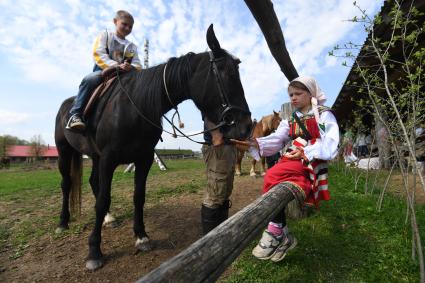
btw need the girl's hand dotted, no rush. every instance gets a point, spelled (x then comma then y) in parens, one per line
(297, 154)
(294, 155)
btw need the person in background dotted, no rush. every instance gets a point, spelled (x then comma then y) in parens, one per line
(362, 150)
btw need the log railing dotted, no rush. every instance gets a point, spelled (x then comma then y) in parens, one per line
(206, 259)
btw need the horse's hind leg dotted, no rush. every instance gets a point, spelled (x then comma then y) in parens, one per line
(64, 163)
(107, 167)
(94, 183)
(142, 170)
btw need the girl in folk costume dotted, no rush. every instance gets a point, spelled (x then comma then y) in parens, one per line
(313, 134)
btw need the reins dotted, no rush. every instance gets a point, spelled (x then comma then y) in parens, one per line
(166, 118)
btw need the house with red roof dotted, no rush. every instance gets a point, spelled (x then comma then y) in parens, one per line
(18, 153)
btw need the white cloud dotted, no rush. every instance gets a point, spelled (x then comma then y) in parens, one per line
(12, 118)
(51, 41)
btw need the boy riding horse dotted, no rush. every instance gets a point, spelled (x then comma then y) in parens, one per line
(111, 50)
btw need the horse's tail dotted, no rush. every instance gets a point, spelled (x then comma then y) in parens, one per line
(76, 183)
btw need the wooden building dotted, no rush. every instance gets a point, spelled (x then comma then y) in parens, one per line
(345, 107)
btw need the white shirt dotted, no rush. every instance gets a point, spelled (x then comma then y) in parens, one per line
(117, 46)
(325, 147)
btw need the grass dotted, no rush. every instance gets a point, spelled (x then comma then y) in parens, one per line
(346, 241)
(31, 199)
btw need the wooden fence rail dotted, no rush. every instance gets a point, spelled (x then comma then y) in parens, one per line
(206, 259)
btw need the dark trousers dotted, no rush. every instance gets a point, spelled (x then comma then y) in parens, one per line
(87, 86)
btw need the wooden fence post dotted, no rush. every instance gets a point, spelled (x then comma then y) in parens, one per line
(206, 259)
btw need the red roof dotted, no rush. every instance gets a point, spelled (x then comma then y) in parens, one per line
(26, 151)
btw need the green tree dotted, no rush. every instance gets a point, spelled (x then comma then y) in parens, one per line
(390, 72)
(8, 140)
(37, 146)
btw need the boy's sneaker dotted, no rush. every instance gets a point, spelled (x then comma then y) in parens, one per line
(75, 122)
(267, 246)
(288, 243)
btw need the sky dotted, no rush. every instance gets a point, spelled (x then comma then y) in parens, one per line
(45, 51)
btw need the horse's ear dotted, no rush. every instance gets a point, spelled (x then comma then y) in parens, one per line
(275, 113)
(212, 41)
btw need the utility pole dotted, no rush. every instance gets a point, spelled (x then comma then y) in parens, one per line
(146, 61)
(157, 159)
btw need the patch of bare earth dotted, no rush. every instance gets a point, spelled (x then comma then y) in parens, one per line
(398, 188)
(172, 224)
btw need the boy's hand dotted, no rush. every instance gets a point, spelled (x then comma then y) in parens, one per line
(125, 66)
(245, 145)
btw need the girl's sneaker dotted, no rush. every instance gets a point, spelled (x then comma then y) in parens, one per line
(288, 243)
(267, 246)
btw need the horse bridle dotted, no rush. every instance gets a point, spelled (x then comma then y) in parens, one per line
(226, 117)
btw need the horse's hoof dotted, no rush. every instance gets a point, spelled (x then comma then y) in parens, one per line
(143, 244)
(60, 229)
(237, 173)
(263, 174)
(252, 174)
(112, 224)
(93, 264)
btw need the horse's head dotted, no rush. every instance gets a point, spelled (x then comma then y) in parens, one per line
(270, 123)
(220, 95)
(275, 120)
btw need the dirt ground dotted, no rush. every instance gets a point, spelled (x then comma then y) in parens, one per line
(398, 188)
(172, 226)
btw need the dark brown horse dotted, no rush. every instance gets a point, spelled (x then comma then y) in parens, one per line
(126, 125)
(267, 125)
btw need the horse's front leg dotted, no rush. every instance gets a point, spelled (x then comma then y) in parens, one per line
(252, 171)
(103, 202)
(238, 168)
(263, 166)
(142, 169)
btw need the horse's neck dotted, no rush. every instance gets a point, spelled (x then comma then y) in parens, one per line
(172, 97)
(258, 130)
(175, 101)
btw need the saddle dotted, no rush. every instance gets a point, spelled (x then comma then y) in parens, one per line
(98, 93)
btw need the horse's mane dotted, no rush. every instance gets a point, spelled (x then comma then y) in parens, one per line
(149, 85)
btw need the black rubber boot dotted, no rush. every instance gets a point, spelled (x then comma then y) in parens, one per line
(225, 210)
(212, 217)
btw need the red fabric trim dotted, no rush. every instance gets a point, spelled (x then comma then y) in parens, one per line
(324, 195)
(313, 128)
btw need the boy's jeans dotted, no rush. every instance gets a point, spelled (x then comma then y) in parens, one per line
(87, 86)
